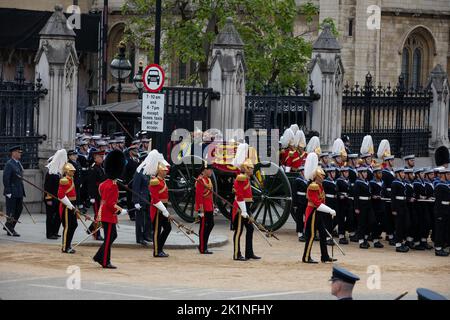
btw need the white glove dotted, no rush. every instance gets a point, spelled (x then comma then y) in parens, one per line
(9, 195)
(67, 203)
(200, 214)
(326, 209)
(80, 206)
(92, 201)
(333, 213)
(137, 206)
(123, 212)
(288, 169)
(163, 209)
(243, 208)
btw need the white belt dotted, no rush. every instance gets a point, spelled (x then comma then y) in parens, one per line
(364, 198)
(344, 194)
(423, 197)
(301, 193)
(331, 196)
(85, 169)
(400, 198)
(445, 203)
(388, 189)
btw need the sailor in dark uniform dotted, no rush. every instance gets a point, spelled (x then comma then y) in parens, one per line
(330, 189)
(343, 204)
(421, 229)
(342, 283)
(363, 207)
(410, 203)
(441, 212)
(376, 185)
(352, 176)
(409, 161)
(324, 160)
(299, 191)
(367, 158)
(399, 210)
(388, 176)
(429, 207)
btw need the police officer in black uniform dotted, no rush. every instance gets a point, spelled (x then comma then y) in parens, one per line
(96, 176)
(376, 185)
(299, 191)
(399, 209)
(84, 174)
(132, 162)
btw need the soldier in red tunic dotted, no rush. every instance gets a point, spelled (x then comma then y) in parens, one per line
(314, 219)
(204, 205)
(241, 215)
(67, 196)
(109, 210)
(157, 168)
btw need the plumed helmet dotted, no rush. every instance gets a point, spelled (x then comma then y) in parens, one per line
(294, 128)
(367, 145)
(312, 168)
(300, 139)
(313, 145)
(384, 149)
(114, 164)
(153, 162)
(442, 156)
(289, 136)
(241, 156)
(57, 162)
(339, 148)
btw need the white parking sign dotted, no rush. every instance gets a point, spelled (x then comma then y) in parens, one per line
(153, 112)
(153, 78)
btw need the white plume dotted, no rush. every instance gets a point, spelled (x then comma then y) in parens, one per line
(57, 162)
(311, 164)
(241, 155)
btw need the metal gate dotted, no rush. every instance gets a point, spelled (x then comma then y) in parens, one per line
(397, 114)
(19, 111)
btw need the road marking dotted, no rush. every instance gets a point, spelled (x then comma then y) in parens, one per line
(99, 291)
(25, 279)
(269, 295)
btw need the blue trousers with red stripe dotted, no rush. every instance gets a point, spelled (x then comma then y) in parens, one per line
(206, 226)
(103, 255)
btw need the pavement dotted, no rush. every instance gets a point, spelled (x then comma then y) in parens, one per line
(35, 233)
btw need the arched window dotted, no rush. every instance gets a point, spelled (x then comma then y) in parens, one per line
(405, 65)
(417, 57)
(416, 68)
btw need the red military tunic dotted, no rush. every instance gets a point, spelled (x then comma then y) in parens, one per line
(293, 159)
(66, 188)
(243, 192)
(158, 192)
(203, 194)
(316, 197)
(303, 158)
(109, 194)
(283, 156)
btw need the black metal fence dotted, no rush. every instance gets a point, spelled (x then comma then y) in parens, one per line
(19, 109)
(397, 114)
(184, 106)
(278, 109)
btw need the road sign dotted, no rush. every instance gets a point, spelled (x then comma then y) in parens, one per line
(153, 78)
(152, 112)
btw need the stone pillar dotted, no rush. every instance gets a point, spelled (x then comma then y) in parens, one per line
(326, 73)
(439, 110)
(57, 65)
(227, 76)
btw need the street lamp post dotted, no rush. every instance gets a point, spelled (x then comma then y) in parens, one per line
(137, 79)
(120, 68)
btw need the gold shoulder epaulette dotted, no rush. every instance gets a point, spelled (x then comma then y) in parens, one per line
(291, 153)
(313, 186)
(154, 182)
(241, 177)
(63, 181)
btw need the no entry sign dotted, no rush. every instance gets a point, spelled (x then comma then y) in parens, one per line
(153, 78)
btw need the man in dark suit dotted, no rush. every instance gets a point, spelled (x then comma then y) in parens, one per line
(14, 190)
(132, 162)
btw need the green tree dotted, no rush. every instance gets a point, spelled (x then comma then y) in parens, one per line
(274, 54)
